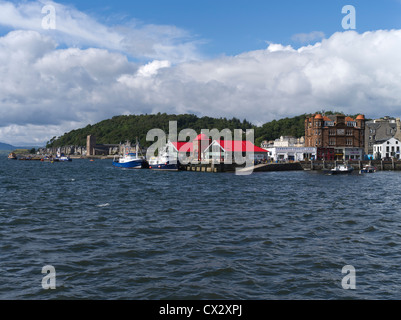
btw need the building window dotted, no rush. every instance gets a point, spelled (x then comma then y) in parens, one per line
(332, 141)
(350, 133)
(332, 132)
(348, 142)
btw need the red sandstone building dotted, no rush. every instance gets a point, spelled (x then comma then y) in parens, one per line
(336, 137)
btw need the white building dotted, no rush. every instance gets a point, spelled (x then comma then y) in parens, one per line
(292, 153)
(387, 149)
(289, 142)
(289, 149)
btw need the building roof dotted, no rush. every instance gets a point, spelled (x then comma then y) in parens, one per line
(239, 146)
(202, 136)
(385, 140)
(326, 118)
(183, 146)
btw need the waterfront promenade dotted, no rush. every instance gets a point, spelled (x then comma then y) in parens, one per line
(381, 165)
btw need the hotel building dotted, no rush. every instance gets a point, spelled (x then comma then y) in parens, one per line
(336, 137)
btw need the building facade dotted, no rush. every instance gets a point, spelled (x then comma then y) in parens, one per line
(380, 130)
(94, 149)
(343, 134)
(387, 149)
(231, 150)
(288, 154)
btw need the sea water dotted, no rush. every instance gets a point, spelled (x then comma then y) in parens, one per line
(120, 234)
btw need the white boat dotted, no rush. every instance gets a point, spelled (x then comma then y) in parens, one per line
(61, 157)
(341, 169)
(12, 156)
(164, 162)
(368, 169)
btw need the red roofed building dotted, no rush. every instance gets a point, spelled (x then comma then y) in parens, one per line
(180, 150)
(200, 143)
(202, 148)
(229, 149)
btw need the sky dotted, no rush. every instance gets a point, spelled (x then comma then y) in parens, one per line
(67, 64)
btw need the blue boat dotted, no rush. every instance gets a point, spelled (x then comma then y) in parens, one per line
(130, 160)
(164, 162)
(368, 169)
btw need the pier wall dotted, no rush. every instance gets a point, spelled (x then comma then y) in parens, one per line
(296, 166)
(357, 165)
(221, 167)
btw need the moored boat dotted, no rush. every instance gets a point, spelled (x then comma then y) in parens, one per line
(341, 169)
(61, 157)
(164, 162)
(12, 156)
(130, 160)
(368, 169)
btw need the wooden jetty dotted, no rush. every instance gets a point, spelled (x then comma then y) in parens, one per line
(223, 167)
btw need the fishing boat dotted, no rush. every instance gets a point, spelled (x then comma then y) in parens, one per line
(164, 162)
(61, 157)
(12, 156)
(130, 160)
(368, 169)
(341, 169)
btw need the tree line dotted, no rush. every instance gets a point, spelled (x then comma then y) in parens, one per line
(122, 128)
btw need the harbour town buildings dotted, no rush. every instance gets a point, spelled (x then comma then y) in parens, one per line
(336, 137)
(204, 148)
(379, 130)
(327, 137)
(387, 149)
(289, 149)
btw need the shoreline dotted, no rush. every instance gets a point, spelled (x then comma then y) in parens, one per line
(314, 165)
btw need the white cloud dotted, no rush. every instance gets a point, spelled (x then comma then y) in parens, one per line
(152, 68)
(77, 29)
(349, 71)
(46, 90)
(308, 37)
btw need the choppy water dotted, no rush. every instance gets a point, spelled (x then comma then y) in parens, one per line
(139, 234)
